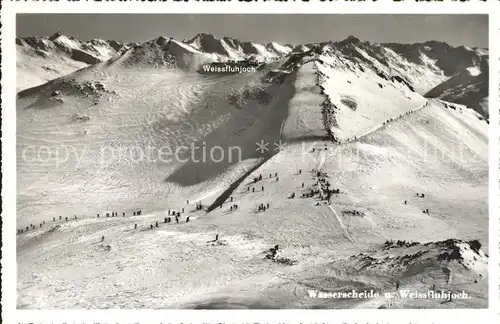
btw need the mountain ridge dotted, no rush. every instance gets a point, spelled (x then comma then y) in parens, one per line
(434, 68)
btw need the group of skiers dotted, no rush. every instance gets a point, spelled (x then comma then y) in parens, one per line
(420, 195)
(27, 228)
(174, 213)
(253, 188)
(323, 189)
(259, 178)
(263, 207)
(405, 114)
(115, 214)
(352, 212)
(314, 150)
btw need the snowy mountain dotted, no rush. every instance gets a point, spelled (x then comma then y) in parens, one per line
(467, 70)
(457, 74)
(235, 49)
(300, 175)
(469, 87)
(41, 59)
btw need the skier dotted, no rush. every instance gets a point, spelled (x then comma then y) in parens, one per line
(102, 238)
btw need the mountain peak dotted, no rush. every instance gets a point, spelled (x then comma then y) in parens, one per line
(351, 40)
(55, 36)
(204, 35)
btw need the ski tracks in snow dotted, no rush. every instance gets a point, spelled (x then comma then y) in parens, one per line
(324, 159)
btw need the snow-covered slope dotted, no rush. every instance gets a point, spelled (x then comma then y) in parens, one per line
(34, 68)
(41, 59)
(467, 69)
(126, 135)
(279, 49)
(469, 87)
(356, 96)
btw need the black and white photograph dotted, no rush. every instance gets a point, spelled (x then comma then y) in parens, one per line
(252, 161)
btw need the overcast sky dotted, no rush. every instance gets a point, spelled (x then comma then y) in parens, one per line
(468, 30)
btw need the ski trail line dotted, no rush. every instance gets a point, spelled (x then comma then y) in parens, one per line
(341, 224)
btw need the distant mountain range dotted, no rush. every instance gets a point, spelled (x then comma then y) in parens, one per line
(434, 69)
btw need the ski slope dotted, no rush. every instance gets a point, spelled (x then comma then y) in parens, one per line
(97, 141)
(33, 71)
